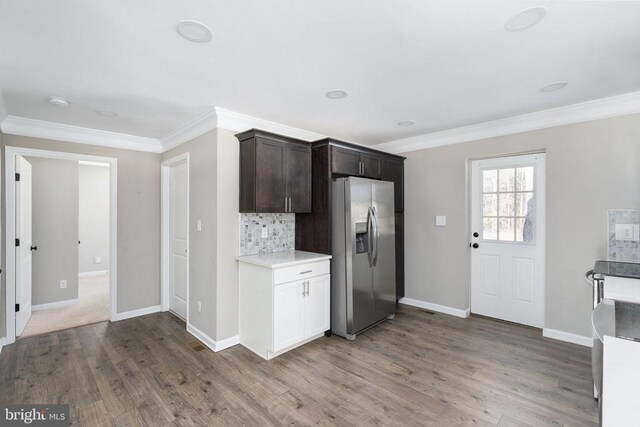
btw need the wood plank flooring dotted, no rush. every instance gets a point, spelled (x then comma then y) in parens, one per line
(419, 369)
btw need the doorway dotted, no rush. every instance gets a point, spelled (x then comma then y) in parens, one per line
(508, 198)
(175, 236)
(44, 289)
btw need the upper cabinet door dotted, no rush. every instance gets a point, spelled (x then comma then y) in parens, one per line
(370, 165)
(393, 170)
(270, 175)
(298, 176)
(345, 161)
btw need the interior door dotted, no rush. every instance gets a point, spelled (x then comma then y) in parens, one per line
(316, 302)
(23, 252)
(384, 266)
(508, 238)
(288, 314)
(299, 178)
(178, 238)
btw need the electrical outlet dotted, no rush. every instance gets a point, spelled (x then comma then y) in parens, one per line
(63, 284)
(199, 307)
(265, 232)
(629, 232)
(199, 225)
(97, 260)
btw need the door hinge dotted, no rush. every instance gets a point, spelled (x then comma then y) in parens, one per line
(17, 242)
(17, 308)
(17, 176)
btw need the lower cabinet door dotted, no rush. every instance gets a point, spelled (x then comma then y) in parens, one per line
(288, 314)
(317, 314)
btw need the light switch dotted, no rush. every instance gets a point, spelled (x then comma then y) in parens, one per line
(629, 232)
(441, 221)
(97, 260)
(265, 232)
(199, 225)
(63, 284)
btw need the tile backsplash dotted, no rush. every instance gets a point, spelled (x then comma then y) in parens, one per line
(623, 250)
(281, 231)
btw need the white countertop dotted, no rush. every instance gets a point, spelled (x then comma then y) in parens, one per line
(283, 259)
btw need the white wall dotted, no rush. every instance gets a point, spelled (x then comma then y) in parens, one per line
(591, 167)
(93, 218)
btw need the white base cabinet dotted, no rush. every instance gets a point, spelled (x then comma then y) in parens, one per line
(278, 313)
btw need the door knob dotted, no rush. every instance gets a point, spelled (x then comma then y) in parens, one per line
(474, 246)
(475, 234)
(34, 248)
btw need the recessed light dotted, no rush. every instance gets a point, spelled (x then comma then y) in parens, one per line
(526, 18)
(336, 94)
(58, 101)
(107, 113)
(554, 87)
(406, 123)
(194, 31)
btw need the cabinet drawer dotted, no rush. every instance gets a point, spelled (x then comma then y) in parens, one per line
(300, 272)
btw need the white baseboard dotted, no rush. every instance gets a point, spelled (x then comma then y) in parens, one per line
(93, 273)
(57, 304)
(210, 342)
(435, 307)
(567, 337)
(136, 313)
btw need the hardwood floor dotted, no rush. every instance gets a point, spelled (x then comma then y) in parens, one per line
(419, 369)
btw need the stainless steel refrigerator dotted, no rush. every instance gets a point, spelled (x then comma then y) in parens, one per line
(363, 268)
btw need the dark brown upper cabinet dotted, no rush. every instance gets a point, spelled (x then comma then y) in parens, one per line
(275, 173)
(393, 170)
(345, 161)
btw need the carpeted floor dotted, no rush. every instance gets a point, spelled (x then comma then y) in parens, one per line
(93, 307)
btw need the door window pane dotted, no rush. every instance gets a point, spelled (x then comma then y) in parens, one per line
(524, 179)
(506, 180)
(490, 228)
(524, 204)
(506, 204)
(490, 181)
(506, 232)
(490, 205)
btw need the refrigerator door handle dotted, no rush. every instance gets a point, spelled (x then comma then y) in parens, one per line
(370, 233)
(377, 235)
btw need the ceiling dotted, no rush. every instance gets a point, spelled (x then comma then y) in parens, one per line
(443, 64)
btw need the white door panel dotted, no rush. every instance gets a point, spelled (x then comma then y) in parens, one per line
(23, 252)
(178, 238)
(288, 314)
(508, 215)
(316, 303)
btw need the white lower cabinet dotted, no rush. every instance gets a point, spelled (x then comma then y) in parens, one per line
(277, 317)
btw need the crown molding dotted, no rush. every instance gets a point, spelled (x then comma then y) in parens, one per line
(202, 124)
(60, 132)
(238, 122)
(597, 109)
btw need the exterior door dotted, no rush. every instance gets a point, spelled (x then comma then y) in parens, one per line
(316, 313)
(384, 259)
(508, 238)
(178, 238)
(23, 252)
(288, 314)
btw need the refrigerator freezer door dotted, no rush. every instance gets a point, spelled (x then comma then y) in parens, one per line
(384, 271)
(358, 202)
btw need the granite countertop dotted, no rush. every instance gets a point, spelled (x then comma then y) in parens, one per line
(630, 270)
(283, 259)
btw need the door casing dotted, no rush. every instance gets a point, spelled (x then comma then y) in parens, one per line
(166, 249)
(11, 154)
